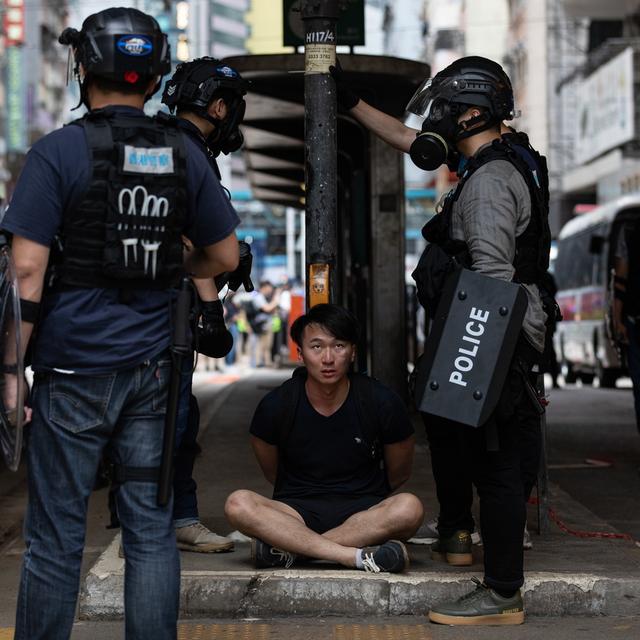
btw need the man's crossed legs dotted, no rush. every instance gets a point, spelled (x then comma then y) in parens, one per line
(286, 533)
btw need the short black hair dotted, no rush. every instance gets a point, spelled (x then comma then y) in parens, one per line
(107, 85)
(336, 320)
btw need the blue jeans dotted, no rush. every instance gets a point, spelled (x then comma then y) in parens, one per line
(75, 419)
(633, 360)
(185, 501)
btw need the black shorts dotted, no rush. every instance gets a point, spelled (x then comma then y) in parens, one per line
(323, 513)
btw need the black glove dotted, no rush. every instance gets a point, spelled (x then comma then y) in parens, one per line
(214, 339)
(242, 274)
(347, 98)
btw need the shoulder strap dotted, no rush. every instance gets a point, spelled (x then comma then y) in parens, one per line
(366, 403)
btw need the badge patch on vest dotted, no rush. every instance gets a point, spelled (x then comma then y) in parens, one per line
(156, 160)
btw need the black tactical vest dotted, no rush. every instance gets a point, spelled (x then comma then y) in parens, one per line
(126, 231)
(631, 306)
(532, 245)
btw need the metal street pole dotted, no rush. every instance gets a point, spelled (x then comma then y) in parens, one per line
(320, 19)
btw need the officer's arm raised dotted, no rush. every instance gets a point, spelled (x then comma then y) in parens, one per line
(209, 261)
(386, 127)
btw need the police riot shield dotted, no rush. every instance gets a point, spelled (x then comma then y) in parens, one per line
(12, 384)
(471, 343)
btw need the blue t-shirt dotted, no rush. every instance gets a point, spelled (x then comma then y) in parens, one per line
(91, 331)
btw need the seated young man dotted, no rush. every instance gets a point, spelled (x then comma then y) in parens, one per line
(335, 446)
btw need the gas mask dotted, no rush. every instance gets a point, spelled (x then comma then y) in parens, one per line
(441, 101)
(435, 144)
(227, 137)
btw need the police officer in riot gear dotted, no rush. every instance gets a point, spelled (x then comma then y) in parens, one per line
(209, 95)
(208, 98)
(494, 222)
(117, 191)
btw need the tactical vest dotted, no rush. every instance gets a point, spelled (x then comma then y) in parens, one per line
(631, 305)
(126, 231)
(532, 245)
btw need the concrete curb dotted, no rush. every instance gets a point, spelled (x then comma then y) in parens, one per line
(327, 592)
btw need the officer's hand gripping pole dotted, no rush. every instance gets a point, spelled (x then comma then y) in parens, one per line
(180, 347)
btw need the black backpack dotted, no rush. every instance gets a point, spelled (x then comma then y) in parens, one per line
(364, 389)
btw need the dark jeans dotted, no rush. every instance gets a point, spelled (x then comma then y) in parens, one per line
(504, 478)
(185, 501)
(75, 419)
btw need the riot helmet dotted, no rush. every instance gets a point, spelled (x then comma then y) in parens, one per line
(469, 82)
(120, 44)
(196, 84)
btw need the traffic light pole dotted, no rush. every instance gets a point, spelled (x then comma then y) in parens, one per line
(320, 19)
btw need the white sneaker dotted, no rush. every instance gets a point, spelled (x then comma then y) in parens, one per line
(426, 534)
(196, 537)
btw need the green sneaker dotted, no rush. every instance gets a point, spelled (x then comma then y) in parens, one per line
(482, 606)
(456, 549)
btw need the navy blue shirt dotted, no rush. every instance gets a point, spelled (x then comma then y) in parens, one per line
(91, 331)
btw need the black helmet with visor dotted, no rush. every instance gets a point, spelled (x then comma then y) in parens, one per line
(469, 82)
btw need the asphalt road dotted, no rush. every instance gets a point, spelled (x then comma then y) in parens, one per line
(588, 428)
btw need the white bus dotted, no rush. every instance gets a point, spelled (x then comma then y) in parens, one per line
(583, 268)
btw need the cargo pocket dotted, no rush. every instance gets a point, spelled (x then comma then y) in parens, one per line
(78, 403)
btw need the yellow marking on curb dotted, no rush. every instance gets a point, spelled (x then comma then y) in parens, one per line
(381, 632)
(224, 632)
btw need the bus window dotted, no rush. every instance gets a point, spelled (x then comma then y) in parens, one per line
(574, 263)
(599, 241)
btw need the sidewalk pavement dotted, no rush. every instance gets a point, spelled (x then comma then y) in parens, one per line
(564, 575)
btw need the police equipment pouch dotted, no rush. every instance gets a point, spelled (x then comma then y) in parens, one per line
(470, 347)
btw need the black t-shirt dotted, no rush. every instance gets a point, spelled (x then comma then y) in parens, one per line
(330, 455)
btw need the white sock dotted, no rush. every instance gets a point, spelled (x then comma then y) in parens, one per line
(359, 563)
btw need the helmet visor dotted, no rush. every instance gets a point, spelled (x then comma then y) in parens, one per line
(431, 90)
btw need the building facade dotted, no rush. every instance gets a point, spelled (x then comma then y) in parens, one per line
(33, 79)
(599, 98)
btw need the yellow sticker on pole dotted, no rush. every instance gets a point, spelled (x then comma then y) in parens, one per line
(318, 284)
(319, 51)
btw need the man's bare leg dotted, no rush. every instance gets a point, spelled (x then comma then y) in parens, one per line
(397, 517)
(282, 527)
